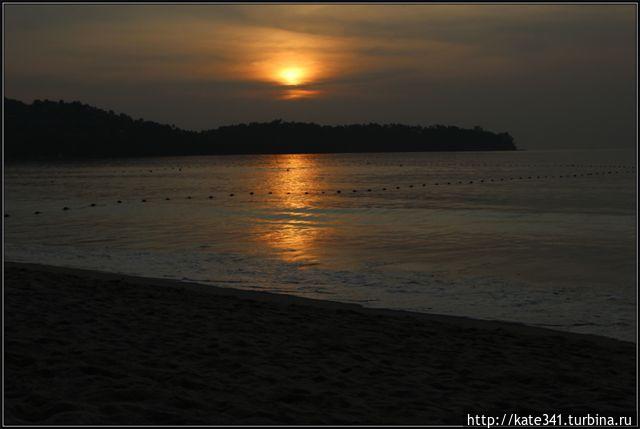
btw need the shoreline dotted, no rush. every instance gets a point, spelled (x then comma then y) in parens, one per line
(107, 348)
(69, 160)
(282, 298)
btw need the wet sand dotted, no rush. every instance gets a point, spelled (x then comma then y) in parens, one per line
(84, 347)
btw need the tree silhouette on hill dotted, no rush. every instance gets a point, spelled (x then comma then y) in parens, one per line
(62, 130)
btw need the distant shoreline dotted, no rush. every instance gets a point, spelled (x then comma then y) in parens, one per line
(122, 158)
(88, 347)
(62, 130)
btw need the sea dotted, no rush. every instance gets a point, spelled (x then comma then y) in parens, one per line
(545, 238)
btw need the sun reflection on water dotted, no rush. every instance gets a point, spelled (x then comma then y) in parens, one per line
(294, 228)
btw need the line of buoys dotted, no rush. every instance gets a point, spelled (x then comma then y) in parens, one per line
(462, 164)
(591, 173)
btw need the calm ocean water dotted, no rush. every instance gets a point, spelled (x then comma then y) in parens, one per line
(544, 238)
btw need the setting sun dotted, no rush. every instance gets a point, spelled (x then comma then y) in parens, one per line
(291, 76)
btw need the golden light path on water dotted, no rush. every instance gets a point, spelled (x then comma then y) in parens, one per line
(295, 232)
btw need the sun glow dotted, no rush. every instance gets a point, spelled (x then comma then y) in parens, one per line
(291, 65)
(291, 76)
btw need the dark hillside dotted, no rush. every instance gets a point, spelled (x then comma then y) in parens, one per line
(61, 130)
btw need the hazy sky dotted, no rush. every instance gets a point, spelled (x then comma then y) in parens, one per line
(554, 76)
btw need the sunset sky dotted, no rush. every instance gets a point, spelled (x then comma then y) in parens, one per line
(561, 76)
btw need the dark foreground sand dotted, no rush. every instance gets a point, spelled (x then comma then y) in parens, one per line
(92, 348)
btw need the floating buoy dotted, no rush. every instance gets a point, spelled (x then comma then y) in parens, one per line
(355, 190)
(368, 190)
(338, 191)
(231, 195)
(144, 201)
(210, 197)
(397, 187)
(93, 204)
(384, 189)
(167, 199)
(250, 193)
(6, 215)
(189, 197)
(306, 193)
(65, 208)
(37, 212)
(119, 202)
(424, 184)
(411, 186)
(270, 192)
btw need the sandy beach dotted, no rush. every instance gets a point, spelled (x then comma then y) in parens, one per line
(84, 347)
